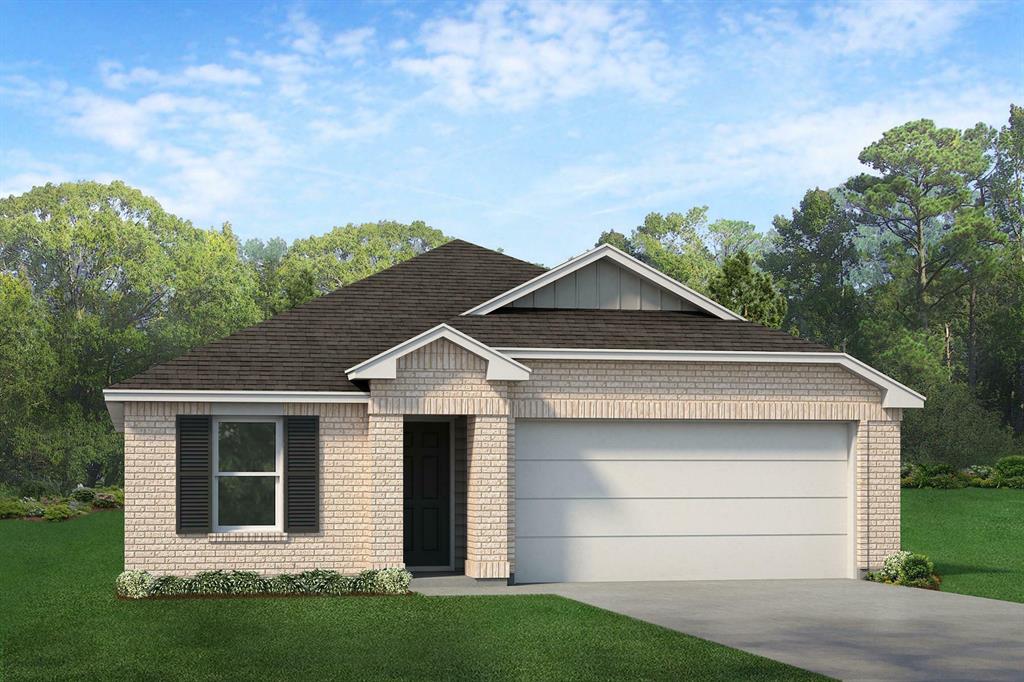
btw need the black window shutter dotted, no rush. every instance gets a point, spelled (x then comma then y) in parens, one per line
(193, 480)
(301, 473)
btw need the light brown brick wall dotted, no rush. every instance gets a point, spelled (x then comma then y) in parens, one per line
(362, 453)
(346, 481)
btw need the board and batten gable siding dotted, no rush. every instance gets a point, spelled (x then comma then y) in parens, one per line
(603, 285)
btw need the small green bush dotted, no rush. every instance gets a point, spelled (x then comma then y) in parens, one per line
(979, 471)
(59, 512)
(12, 509)
(907, 568)
(946, 482)
(82, 494)
(1011, 467)
(113, 491)
(1015, 482)
(139, 584)
(105, 501)
(134, 584)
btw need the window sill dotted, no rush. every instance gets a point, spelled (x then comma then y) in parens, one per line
(267, 537)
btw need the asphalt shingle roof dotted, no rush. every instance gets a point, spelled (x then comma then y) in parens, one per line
(309, 347)
(636, 329)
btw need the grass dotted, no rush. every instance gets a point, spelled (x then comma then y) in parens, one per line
(975, 536)
(59, 619)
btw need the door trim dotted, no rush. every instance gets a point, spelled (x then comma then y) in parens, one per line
(451, 490)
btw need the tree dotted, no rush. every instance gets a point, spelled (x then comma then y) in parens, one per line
(317, 265)
(673, 244)
(812, 262)
(1006, 182)
(265, 259)
(118, 284)
(954, 429)
(729, 237)
(750, 293)
(922, 195)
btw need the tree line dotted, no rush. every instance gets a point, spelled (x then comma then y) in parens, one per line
(916, 267)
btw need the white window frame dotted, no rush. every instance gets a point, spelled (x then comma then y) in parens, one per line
(277, 474)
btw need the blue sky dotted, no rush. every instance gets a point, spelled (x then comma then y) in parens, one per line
(526, 126)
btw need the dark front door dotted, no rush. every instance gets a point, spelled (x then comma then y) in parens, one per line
(427, 494)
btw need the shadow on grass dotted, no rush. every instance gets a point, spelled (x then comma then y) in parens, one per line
(946, 569)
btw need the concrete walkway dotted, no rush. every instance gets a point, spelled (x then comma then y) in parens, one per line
(848, 629)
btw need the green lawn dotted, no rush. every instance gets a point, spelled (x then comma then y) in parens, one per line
(975, 536)
(59, 619)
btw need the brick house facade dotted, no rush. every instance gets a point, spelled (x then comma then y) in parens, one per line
(362, 453)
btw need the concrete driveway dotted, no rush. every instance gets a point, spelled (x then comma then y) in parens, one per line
(848, 629)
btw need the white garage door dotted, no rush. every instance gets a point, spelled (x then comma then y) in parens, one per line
(670, 500)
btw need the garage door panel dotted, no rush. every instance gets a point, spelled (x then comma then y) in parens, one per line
(690, 558)
(604, 517)
(608, 439)
(664, 478)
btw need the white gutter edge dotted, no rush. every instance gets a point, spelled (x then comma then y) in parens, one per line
(895, 394)
(117, 397)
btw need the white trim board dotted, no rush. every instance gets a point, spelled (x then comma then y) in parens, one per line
(385, 365)
(895, 394)
(117, 397)
(622, 259)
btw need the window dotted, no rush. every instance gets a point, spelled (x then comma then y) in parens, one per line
(248, 456)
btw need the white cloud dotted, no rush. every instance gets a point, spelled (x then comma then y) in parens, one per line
(350, 43)
(220, 75)
(901, 27)
(114, 76)
(513, 55)
(306, 36)
(780, 154)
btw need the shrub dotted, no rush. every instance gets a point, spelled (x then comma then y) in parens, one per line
(248, 582)
(167, 586)
(105, 501)
(134, 584)
(983, 483)
(82, 494)
(12, 509)
(59, 512)
(113, 492)
(209, 582)
(946, 482)
(907, 568)
(33, 509)
(1016, 482)
(1011, 467)
(979, 471)
(140, 584)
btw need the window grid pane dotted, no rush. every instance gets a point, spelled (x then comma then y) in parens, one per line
(247, 446)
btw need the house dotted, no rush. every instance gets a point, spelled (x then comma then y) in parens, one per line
(468, 411)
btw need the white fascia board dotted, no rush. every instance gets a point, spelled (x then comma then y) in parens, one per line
(639, 268)
(895, 394)
(385, 365)
(116, 398)
(151, 396)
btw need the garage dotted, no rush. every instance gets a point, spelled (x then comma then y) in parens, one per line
(608, 500)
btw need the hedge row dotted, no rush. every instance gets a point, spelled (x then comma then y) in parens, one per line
(1007, 473)
(80, 501)
(142, 584)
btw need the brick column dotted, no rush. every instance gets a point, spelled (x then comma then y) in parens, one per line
(487, 497)
(386, 433)
(878, 492)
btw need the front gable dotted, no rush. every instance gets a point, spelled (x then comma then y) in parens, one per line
(605, 278)
(385, 365)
